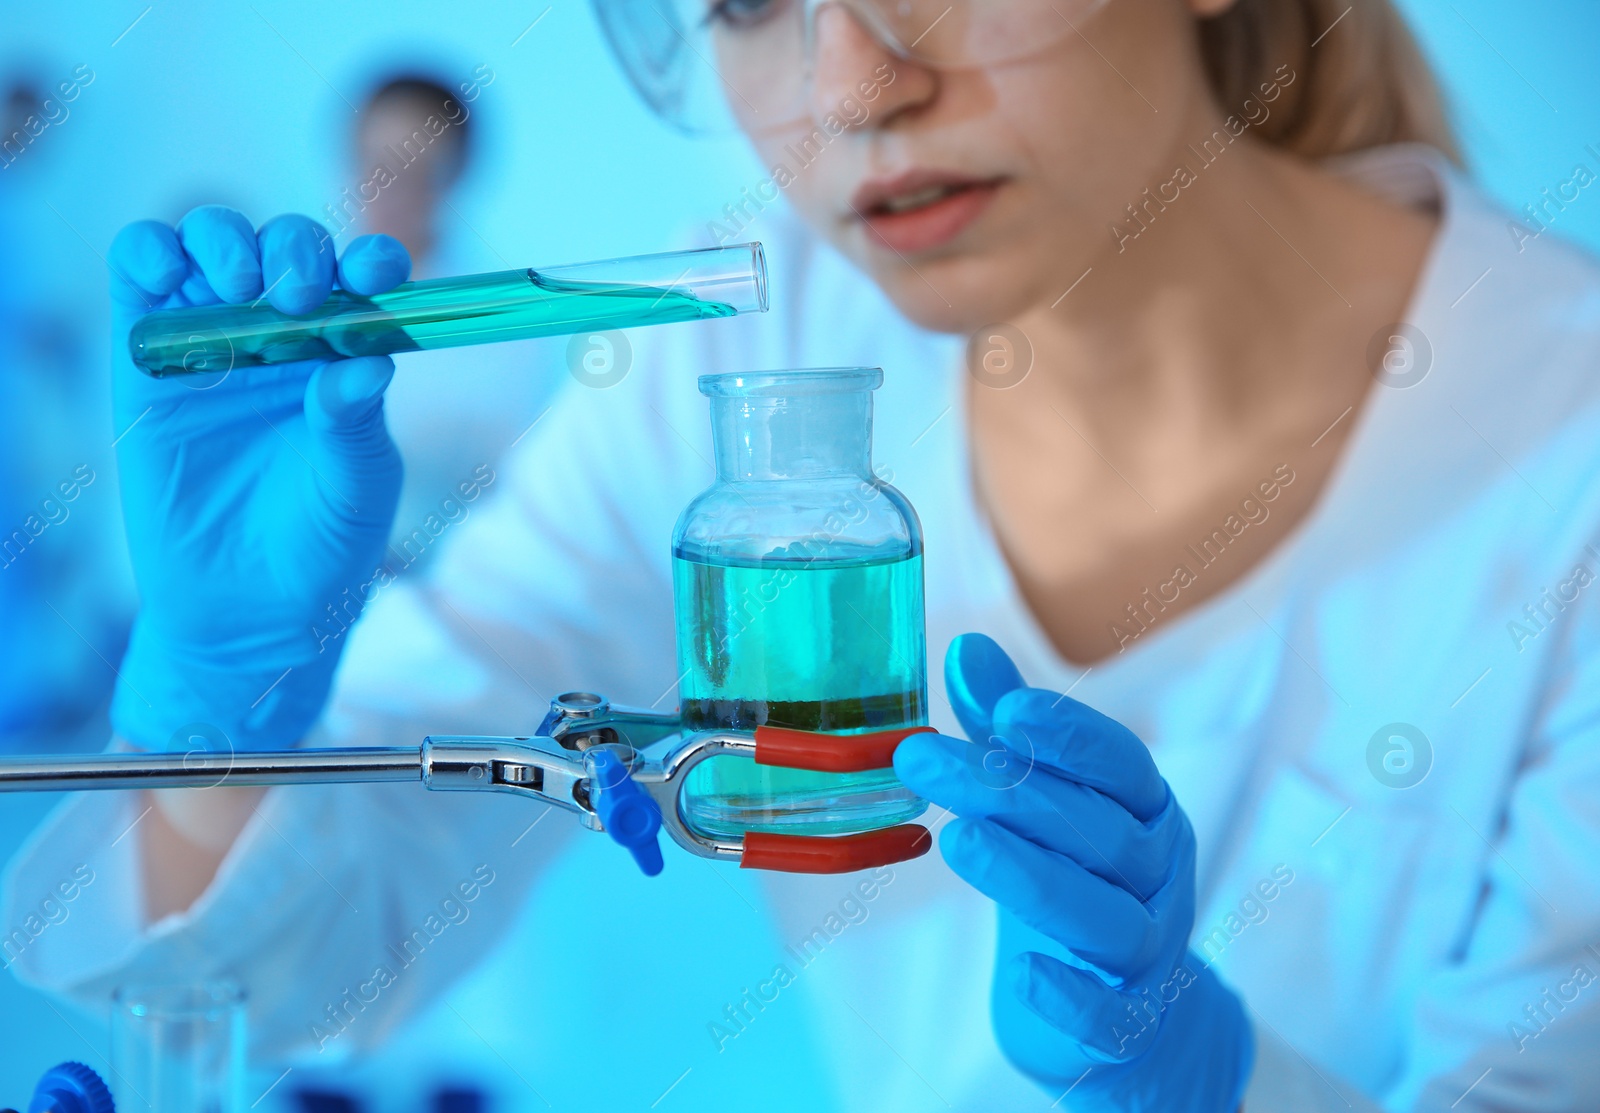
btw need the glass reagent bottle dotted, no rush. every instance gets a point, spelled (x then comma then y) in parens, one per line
(798, 590)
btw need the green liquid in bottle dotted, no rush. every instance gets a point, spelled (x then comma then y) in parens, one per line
(835, 646)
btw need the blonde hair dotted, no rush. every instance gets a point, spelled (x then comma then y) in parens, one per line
(1364, 83)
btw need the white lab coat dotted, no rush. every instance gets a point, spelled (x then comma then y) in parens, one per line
(1429, 941)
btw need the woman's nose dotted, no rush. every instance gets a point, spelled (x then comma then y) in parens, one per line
(850, 66)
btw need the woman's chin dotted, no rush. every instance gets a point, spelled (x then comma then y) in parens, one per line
(955, 297)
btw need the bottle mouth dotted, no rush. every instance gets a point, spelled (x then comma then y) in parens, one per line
(792, 383)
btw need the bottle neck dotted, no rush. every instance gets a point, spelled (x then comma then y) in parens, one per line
(805, 436)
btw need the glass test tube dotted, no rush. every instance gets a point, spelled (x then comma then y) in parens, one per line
(450, 312)
(178, 1048)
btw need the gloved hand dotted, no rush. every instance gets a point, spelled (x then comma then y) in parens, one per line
(1063, 820)
(257, 500)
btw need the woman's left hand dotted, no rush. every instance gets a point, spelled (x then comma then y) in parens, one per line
(1063, 820)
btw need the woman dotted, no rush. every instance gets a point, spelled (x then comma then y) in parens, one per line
(1290, 475)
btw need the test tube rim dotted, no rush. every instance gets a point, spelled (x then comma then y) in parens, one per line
(758, 272)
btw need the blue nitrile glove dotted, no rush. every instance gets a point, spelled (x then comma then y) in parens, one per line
(258, 500)
(1063, 820)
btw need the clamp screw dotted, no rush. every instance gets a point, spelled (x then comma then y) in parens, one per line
(629, 815)
(580, 705)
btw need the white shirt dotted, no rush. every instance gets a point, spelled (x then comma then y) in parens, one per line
(1430, 941)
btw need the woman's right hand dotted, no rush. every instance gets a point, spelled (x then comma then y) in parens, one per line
(257, 500)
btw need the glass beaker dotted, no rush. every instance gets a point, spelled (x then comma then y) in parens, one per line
(178, 1048)
(798, 589)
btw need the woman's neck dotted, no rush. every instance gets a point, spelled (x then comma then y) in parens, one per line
(1225, 345)
(1219, 314)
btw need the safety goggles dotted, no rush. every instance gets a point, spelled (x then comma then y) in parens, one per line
(695, 60)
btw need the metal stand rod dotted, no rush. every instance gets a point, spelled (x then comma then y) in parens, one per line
(203, 770)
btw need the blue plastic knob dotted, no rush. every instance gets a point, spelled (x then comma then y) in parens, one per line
(71, 1088)
(629, 815)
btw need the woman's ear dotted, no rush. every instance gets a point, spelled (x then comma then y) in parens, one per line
(1206, 9)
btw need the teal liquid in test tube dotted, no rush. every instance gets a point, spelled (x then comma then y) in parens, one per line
(451, 312)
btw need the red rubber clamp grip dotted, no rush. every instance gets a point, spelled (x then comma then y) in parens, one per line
(829, 753)
(764, 850)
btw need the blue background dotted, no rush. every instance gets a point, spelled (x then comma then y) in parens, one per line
(252, 106)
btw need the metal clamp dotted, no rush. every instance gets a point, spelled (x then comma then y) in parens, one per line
(549, 766)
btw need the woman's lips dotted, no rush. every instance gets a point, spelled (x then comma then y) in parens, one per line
(902, 222)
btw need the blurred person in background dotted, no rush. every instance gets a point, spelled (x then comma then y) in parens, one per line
(453, 412)
(64, 603)
(423, 135)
